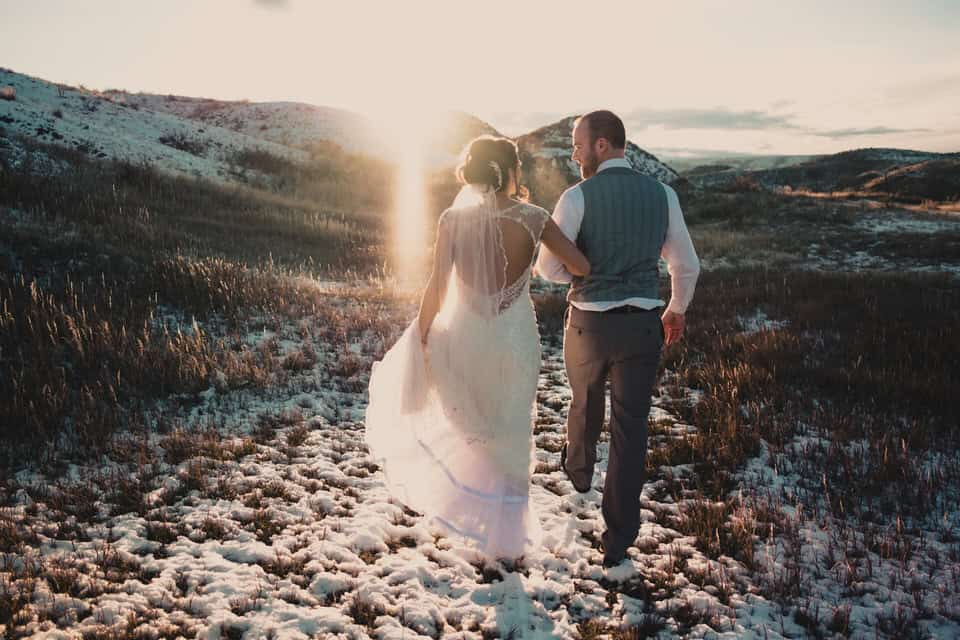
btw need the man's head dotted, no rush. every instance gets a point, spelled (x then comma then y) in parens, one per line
(597, 136)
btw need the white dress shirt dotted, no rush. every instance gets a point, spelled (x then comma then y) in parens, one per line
(678, 252)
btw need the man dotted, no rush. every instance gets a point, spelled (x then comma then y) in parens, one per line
(623, 222)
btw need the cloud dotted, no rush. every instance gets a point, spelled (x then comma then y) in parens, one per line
(923, 90)
(731, 120)
(714, 119)
(717, 118)
(871, 131)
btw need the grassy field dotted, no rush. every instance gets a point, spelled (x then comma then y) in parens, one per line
(823, 447)
(93, 258)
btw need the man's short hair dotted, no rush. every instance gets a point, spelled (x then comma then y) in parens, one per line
(605, 124)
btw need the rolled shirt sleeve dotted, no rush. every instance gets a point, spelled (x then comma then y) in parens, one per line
(568, 214)
(683, 265)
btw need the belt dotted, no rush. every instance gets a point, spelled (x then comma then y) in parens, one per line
(631, 309)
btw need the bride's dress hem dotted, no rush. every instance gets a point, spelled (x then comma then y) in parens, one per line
(518, 505)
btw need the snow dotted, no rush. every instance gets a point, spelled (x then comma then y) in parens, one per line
(343, 548)
(343, 543)
(759, 321)
(291, 124)
(102, 128)
(887, 224)
(867, 584)
(209, 133)
(893, 223)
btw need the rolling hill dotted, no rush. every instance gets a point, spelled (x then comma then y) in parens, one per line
(899, 174)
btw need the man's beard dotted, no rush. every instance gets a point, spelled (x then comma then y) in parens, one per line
(588, 167)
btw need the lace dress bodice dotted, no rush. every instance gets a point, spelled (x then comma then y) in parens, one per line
(533, 219)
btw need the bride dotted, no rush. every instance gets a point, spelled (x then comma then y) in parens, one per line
(452, 402)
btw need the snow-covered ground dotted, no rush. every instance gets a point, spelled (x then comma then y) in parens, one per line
(758, 321)
(879, 227)
(877, 239)
(297, 537)
(293, 534)
(900, 222)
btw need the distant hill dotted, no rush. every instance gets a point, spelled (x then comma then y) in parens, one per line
(890, 173)
(230, 140)
(707, 169)
(300, 125)
(700, 164)
(292, 124)
(101, 126)
(212, 139)
(932, 179)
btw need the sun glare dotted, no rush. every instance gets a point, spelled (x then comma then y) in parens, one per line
(404, 132)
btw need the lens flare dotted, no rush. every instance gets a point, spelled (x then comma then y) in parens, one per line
(404, 132)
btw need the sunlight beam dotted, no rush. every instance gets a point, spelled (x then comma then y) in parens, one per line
(404, 132)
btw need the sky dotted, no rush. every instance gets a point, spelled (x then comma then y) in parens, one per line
(689, 77)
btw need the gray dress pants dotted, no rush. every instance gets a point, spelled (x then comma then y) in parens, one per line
(624, 348)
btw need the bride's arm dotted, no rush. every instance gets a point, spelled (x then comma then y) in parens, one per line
(561, 246)
(437, 285)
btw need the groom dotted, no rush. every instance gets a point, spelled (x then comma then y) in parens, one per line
(624, 222)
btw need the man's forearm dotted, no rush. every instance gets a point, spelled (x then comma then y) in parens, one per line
(554, 274)
(682, 285)
(567, 214)
(549, 267)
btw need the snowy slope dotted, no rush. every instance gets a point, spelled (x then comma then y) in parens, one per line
(292, 124)
(200, 136)
(104, 128)
(300, 125)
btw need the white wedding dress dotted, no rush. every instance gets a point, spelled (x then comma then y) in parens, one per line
(451, 424)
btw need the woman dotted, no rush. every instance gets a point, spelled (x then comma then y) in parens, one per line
(452, 403)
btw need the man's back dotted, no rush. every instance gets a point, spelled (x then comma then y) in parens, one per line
(624, 226)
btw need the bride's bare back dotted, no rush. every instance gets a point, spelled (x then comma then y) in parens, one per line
(491, 249)
(518, 235)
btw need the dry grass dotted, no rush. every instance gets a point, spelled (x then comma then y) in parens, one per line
(103, 268)
(337, 180)
(129, 212)
(866, 368)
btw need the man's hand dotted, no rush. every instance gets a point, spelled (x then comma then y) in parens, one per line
(673, 325)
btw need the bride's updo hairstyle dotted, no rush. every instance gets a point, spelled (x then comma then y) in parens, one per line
(486, 160)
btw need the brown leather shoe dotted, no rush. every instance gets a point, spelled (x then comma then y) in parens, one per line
(563, 465)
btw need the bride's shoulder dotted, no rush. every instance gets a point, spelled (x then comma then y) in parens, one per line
(532, 217)
(529, 208)
(532, 210)
(445, 216)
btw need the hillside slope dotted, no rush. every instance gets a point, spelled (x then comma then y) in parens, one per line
(895, 173)
(101, 127)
